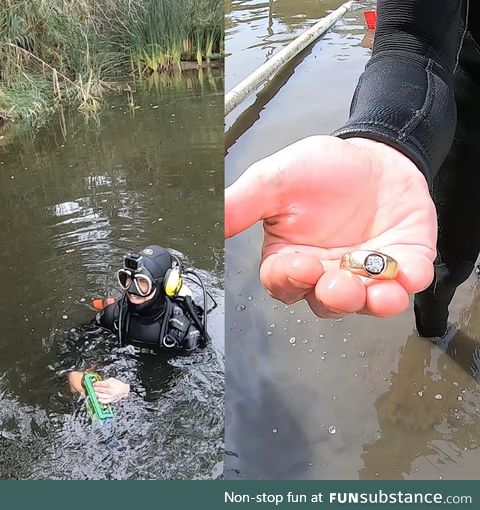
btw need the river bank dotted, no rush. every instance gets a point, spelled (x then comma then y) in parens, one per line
(56, 53)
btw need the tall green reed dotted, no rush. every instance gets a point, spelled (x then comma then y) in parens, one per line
(69, 51)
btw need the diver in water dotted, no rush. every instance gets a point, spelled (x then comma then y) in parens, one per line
(156, 313)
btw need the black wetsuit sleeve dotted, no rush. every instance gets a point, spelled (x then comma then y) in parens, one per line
(108, 317)
(405, 96)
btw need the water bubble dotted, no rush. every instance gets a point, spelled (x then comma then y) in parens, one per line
(332, 429)
(64, 317)
(343, 356)
(292, 310)
(275, 431)
(459, 398)
(345, 340)
(250, 298)
(240, 308)
(272, 325)
(420, 393)
(292, 340)
(362, 354)
(438, 396)
(299, 321)
(269, 333)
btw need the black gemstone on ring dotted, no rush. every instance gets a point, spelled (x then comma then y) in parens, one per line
(374, 264)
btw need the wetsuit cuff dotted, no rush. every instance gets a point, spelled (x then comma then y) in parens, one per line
(388, 137)
(406, 103)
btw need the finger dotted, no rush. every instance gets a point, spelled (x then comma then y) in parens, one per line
(415, 271)
(289, 277)
(319, 309)
(386, 298)
(107, 399)
(251, 197)
(102, 392)
(341, 291)
(101, 385)
(365, 311)
(103, 395)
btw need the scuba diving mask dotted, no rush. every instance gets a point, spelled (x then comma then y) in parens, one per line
(134, 278)
(143, 274)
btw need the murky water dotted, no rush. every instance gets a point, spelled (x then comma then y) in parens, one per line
(73, 200)
(310, 398)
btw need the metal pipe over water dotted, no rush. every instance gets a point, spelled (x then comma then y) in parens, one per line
(272, 66)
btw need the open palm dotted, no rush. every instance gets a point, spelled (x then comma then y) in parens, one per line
(322, 197)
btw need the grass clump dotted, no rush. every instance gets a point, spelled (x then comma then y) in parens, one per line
(54, 52)
(173, 31)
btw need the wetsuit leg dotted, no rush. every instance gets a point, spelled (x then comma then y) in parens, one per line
(456, 193)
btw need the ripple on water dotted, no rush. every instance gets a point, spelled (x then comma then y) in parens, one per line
(170, 427)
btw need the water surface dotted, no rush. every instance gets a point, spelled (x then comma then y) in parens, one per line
(73, 200)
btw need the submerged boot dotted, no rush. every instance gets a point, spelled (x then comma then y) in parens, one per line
(431, 305)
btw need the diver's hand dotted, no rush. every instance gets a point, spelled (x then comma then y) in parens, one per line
(110, 390)
(75, 379)
(324, 196)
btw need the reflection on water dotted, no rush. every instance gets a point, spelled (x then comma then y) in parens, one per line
(431, 409)
(73, 200)
(320, 399)
(255, 30)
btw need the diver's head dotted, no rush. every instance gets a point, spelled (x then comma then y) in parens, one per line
(142, 278)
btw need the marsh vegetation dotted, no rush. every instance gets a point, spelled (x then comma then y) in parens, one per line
(56, 52)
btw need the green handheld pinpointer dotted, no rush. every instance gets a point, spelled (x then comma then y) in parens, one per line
(95, 408)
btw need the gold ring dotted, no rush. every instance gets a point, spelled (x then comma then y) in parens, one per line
(371, 264)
